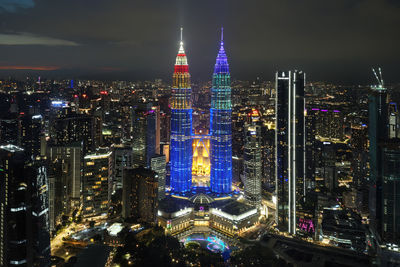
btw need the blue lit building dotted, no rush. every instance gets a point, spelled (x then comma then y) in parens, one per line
(221, 125)
(196, 207)
(181, 152)
(181, 125)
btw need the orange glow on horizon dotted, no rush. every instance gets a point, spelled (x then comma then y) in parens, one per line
(48, 68)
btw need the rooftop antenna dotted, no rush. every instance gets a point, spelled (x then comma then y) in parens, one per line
(222, 34)
(181, 34)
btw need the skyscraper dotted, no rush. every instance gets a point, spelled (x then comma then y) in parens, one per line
(181, 125)
(80, 128)
(290, 147)
(140, 195)
(158, 165)
(378, 134)
(144, 134)
(95, 183)
(24, 216)
(221, 125)
(120, 159)
(390, 230)
(252, 164)
(31, 134)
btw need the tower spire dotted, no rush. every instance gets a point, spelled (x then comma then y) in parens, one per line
(222, 34)
(181, 50)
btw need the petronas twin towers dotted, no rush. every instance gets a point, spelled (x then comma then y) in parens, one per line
(181, 152)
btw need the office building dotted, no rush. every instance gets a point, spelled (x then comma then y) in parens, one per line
(24, 218)
(158, 165)
(32, 134)
(378, 133)
(144, 133)
(390, 231)
(252, 164)
(121, 158)
(9, 130)
(290, 147)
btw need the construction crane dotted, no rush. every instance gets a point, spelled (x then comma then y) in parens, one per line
(380, 85)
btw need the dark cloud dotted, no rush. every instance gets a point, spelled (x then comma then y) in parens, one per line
(334, 40)
(14, 5)
(32, 39)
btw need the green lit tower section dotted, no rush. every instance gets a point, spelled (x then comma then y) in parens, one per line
(221, 125)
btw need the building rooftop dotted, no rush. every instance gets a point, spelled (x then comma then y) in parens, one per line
(171, 205)
(234, 207)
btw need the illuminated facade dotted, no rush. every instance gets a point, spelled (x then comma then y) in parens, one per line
(95, 183)
(181, 125)
(221, 125)
(208, 204)
(252, 164)
(201, 155)
(201, 214)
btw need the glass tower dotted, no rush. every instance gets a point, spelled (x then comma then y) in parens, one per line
(378, 134)
(252, 164)
(290, 147)
(220, 124)
(390, 202)
(181, 125)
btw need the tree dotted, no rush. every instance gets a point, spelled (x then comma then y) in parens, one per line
(257, 256)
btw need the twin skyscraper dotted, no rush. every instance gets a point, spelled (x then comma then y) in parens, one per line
(181, 152)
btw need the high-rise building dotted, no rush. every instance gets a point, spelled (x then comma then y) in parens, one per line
(378, 133)
(80, 128)
(252, 164)
(95, 183)
(310, 150)
(359, 149)
(65, 182)
(328, 122)
(390, 230)
(121, 158)
(40, 212)
(32, 134)
(25, 131)
(24, 218)
(290, 147)
(165, 119)
(144, 133)
(140, 195)
(158, 165)
(394, 121)
(221, 125)
(181, 125)
(9, 130)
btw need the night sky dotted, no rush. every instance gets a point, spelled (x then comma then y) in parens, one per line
(333, 40)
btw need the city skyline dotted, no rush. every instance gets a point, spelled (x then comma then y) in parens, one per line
(334, 42)
(112, 154)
